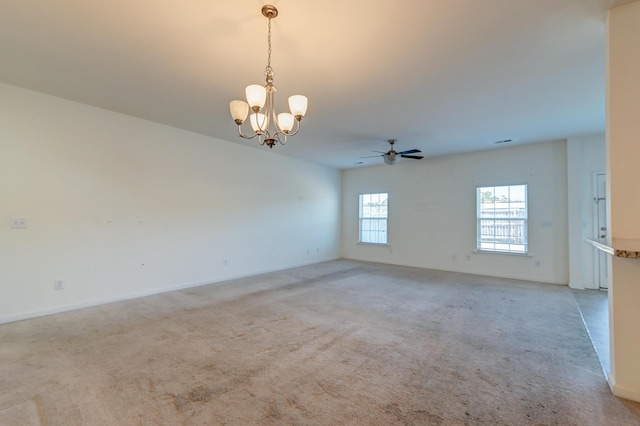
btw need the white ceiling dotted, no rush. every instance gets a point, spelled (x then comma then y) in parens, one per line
(443, 76)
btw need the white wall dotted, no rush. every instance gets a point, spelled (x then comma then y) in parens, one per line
(585, 156)
(623, 151)
(119, 207)
(432, 210)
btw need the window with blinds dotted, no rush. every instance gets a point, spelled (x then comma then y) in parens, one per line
(373, 218)
(502, 219)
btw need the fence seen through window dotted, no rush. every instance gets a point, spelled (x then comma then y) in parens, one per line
(502, 219)
(373, 218)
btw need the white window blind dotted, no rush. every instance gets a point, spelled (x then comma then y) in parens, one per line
(502, 218)
(373, 218)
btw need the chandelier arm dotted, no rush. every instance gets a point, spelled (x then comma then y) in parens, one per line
(278, 136)
(258, 121)
(242, 135)
(280, 133)
(296, 128)
(274, 117)
(268, 107)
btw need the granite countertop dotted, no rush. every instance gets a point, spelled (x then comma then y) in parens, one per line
(629, 249)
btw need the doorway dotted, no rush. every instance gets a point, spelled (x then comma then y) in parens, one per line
(601, 271)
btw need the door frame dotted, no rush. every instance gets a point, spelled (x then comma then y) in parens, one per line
(600, 276)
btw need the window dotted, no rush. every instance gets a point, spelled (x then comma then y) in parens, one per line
(502, 218)
(373, 218)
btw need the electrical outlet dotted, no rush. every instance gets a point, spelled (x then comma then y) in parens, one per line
(58, 285)
(19, 223)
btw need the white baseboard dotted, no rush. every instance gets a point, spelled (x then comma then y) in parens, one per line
(611, 380)
(460, 271)
(98, 302)
(621, 391)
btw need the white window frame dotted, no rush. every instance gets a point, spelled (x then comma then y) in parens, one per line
(502, 222)
(373, 222)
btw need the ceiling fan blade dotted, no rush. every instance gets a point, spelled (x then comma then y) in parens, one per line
(371, 156)
(381, 152)
(409, 151)
(415, 157)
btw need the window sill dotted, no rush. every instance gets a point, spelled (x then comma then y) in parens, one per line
(374, 244)
(502, 253)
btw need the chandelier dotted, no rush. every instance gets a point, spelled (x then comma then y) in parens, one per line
(267, 125)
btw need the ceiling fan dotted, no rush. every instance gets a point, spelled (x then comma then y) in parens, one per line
(391, 157)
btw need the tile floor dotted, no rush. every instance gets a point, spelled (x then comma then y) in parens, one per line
(594, 307)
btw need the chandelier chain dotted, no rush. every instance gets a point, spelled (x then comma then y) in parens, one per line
(269, 69)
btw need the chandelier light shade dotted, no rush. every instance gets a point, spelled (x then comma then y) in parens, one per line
(267, 125)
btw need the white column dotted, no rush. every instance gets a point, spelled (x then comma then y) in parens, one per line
(623, 170)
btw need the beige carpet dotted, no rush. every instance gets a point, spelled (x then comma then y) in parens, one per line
(25, 414)
(335, 343)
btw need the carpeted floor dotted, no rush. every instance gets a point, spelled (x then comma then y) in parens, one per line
(330, 344)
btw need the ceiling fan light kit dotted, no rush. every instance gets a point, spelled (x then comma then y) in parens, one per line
(391, 157)
(269, 126)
